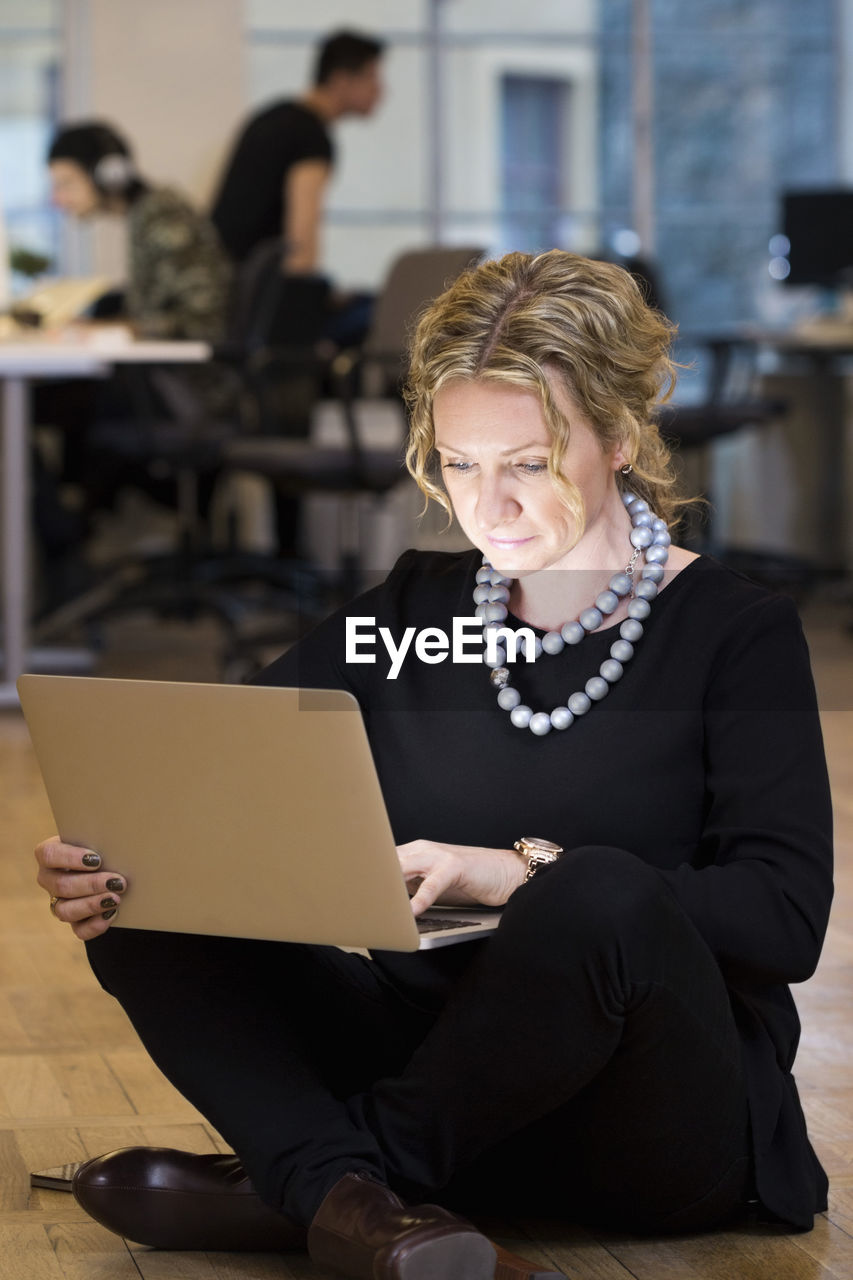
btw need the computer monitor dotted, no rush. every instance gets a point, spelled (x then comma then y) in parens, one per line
(819, 227)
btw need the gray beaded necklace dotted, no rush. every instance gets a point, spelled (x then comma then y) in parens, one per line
(649, 538)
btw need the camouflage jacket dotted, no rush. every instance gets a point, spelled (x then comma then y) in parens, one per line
(179, 275)
(178, 288)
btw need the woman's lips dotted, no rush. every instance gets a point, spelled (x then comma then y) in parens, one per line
(505, 543)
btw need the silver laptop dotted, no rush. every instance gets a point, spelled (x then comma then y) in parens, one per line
(238, 810)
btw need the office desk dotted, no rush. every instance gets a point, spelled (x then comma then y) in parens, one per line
(84, 356)
(825, 348)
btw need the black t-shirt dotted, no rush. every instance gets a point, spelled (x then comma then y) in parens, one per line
(250, 205)
(705, 760)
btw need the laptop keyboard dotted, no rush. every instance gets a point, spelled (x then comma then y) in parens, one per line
(437, 924)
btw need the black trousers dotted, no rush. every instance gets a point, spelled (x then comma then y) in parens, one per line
(582, 1061)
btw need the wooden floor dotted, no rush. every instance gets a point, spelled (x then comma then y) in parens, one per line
(74, 1081)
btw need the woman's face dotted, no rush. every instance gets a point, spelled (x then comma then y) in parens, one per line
(494, 443)
(72, 190)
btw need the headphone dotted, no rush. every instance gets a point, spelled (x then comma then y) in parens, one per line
(113, 173)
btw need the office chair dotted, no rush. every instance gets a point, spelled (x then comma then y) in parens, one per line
(353, 470)
(730, 403)
(273, 326)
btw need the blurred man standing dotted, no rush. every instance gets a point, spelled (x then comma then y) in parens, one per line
(276, 178)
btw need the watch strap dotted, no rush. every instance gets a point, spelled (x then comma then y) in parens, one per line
(539, 853)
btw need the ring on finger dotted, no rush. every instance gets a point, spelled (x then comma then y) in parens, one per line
(53, 902)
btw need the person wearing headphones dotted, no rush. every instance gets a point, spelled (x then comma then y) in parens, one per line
(178, 275)
(177, 287)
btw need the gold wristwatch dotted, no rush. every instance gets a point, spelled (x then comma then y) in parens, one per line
(539, 853)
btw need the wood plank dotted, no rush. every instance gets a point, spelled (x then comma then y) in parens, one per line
(70, 1016)
(85, 1251)
(841, 1205)
(191, 1136)
(27, 1253)
(567, 1248)
(14, 1174)
(57, 1206)
(829, 1245)
(13, 1034)
(154, 1265)
(753, 1253)
(145, 1085)
(90, 1084)
(45, 1147)
(60, 1084)
(35, 956)
(28, 1087)
(224, 1266)
(100, 1121)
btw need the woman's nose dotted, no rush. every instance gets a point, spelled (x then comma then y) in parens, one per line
(495, 503)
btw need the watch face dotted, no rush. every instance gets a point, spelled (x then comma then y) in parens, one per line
(546, 846)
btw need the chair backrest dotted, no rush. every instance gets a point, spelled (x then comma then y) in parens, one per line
(414, 279)
(272, 309)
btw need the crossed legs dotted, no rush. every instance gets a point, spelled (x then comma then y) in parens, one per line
(585, 1056)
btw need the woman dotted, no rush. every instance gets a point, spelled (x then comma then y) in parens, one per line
(619, 1052)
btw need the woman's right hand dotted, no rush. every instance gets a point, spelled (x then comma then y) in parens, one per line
(83, 895)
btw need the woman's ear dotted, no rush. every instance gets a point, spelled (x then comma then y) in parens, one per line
(619, 458)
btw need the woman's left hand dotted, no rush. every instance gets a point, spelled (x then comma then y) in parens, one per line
(459, 874)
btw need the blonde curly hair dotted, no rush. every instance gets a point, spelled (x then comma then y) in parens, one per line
(521, 319)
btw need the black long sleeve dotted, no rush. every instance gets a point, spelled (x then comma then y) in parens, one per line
(760, 887)
(706, 760)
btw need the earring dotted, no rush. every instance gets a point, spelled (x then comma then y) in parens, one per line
(626, 470)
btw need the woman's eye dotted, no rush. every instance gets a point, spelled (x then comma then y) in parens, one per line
(525, 468)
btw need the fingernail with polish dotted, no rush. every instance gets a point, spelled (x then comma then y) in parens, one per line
(108, 902)
(108, 915)
(115, 886)
(91, 859)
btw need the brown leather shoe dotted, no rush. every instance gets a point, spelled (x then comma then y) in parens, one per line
(177, 1200)
(364, 1232)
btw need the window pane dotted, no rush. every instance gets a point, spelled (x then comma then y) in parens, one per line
(532, 154)
(744, 107)
(29, 68)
